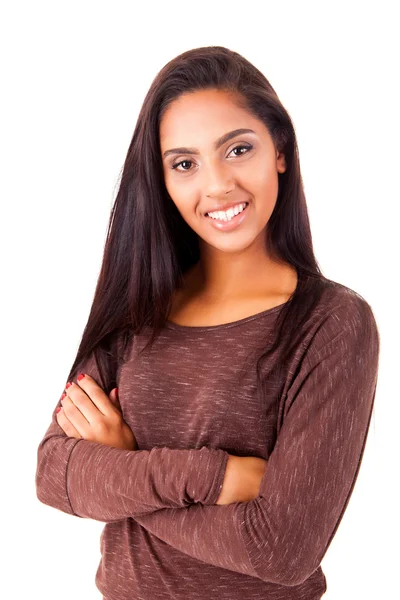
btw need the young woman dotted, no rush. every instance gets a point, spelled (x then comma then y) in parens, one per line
(246, 379)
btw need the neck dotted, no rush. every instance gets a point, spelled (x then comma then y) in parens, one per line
(223, 275)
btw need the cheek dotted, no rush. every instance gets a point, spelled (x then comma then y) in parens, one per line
(265, 185)
(183, 196)
(259, 175)
(184, 203)
(174, 188)
(176, 195)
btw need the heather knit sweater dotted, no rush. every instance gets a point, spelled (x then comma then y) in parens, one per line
(190, 401)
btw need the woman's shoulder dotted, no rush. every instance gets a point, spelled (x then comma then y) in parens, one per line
(342, 313)
(340, 300)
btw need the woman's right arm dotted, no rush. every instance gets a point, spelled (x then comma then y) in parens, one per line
(92, 480)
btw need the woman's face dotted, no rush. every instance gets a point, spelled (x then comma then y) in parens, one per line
(201, 175)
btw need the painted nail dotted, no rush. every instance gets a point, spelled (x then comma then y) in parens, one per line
(68, 384)
(80, 376)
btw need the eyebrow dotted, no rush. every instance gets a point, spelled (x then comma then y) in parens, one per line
(224, 138)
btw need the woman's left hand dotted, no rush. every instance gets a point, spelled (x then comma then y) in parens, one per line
(87, 412)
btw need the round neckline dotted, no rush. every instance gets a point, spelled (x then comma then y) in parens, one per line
(177, 326)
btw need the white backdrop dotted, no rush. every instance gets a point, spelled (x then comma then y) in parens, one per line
(74, 75)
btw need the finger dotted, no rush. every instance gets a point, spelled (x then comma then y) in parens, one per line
(96, 394)
(84, 402)
(66, 425)
(74, 415)
(114, 397)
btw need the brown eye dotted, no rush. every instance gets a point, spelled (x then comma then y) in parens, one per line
(174, 166)
(247, 148)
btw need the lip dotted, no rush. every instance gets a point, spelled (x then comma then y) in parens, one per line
(228, 225)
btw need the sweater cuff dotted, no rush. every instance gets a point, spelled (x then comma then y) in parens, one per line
(215, 469)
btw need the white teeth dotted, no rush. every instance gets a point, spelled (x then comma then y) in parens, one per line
(229, 214)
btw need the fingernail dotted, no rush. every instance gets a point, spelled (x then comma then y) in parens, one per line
(116, 390)
(80, 376)
(68, 384)
(58, 409)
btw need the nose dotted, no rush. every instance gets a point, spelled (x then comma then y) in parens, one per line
(218, 181)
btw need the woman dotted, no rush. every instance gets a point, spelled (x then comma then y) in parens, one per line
(246, 379)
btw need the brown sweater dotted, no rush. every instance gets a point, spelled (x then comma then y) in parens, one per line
(190, 402)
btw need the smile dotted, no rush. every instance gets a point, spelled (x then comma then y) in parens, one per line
(229, 214)
(228, 222)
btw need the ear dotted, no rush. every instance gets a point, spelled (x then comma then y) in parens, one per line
(280, 162)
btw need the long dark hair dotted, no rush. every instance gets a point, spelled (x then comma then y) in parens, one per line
(148, 244)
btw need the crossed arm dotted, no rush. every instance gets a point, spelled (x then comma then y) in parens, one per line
(303, 493)
(282, 535)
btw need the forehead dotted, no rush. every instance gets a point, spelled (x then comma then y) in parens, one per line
(203, 114)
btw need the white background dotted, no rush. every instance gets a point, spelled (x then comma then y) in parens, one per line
(74, 75)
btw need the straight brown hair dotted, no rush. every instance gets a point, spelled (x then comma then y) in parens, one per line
(148, 244)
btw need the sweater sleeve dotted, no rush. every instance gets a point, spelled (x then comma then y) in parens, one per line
(91, 480)
(282, 535)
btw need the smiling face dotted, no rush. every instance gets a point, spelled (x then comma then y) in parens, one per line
(210, 168)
